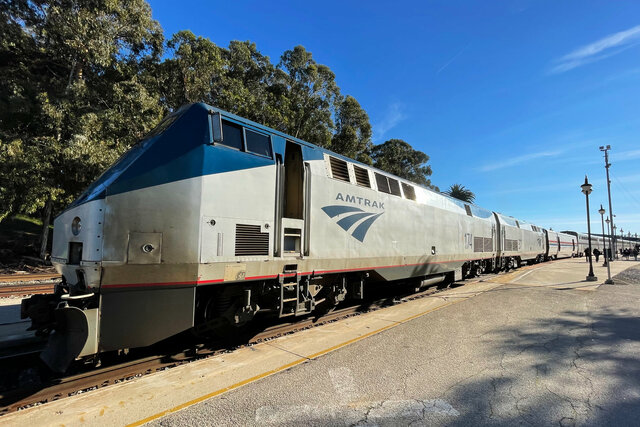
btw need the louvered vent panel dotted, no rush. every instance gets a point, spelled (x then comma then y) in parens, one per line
(409, 191)
(250, 241)
(478, 244)
(383, 184)
(362, 176)
(511, 245)
(394, 187)
(339, 169)
(488, 244)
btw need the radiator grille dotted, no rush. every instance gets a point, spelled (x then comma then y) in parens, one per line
(488, 244)
(510, 245)
(250, 241)
(482, 244)
(339, 169)
(478, 244)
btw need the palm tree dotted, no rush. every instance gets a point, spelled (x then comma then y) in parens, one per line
(461, 193)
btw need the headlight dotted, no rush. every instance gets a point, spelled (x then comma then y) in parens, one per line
(76, 225)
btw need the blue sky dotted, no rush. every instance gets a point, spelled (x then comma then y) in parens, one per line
(509, 98)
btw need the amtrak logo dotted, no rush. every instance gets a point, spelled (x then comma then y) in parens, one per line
(363, 219)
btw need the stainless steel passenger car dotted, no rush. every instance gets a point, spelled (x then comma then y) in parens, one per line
(561, 245)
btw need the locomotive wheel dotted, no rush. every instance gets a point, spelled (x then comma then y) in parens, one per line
(217, 324)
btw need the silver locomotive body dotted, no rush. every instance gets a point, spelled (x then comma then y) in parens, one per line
(213, 219)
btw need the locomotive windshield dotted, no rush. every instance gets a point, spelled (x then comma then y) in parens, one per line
(96, 188)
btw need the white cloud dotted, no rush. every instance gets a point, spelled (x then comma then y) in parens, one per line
(392, 117)
(600, 49)
(627, 155)
(505, 163)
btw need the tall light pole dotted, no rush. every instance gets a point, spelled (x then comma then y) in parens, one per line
(613, 233)
(608, 281)
(606, 166)
(586, 189)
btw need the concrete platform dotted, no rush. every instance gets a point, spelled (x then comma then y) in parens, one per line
(538, 345)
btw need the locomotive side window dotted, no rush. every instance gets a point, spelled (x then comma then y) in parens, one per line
(468, 209)
(339, 169)
(257, 143)
(409, 191)
(383, 184)
(232, 135)
(394, 187)
(362, 176)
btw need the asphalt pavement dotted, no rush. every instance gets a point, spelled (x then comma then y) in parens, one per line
(521, 353)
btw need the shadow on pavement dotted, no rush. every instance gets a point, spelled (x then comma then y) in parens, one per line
(575, 368)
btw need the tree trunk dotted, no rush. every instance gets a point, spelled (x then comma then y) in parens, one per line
(46, 219)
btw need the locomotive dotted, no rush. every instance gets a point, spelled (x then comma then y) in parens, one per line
(212, 219)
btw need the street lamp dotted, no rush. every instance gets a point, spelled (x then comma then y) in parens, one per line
(606, 149)
(586, 189)
(609, 281)
(604, 242)
(613, 233)
(601, 211)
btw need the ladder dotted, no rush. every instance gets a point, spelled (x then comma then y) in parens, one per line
(295, 299)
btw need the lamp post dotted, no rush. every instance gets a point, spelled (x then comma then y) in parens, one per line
(608, 281)
(604, 242)
(586, 189)
(613, 233)
(606, 149)
(621, 238)
(601, 211)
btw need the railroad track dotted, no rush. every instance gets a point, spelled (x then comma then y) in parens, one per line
(15, 278)
(25, 289)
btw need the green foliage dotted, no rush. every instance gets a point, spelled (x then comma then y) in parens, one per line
(191, 72)
(353, 131)
(399, 158)
(460, 192)
(84, 80)
(72, 99)
(306, 94)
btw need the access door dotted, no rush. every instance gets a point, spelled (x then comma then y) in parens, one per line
(293, 179)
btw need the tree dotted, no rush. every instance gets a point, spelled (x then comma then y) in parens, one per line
(72, 76)
(305, 93)
(247, 84)
(192, 73)
(401, 159)
(353, 131)
(460, 192)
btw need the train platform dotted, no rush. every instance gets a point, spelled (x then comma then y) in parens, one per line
(539, 345)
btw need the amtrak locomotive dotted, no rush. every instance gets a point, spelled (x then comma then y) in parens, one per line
(213, 218)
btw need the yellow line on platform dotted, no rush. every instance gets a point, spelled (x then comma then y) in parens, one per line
(287, 366)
